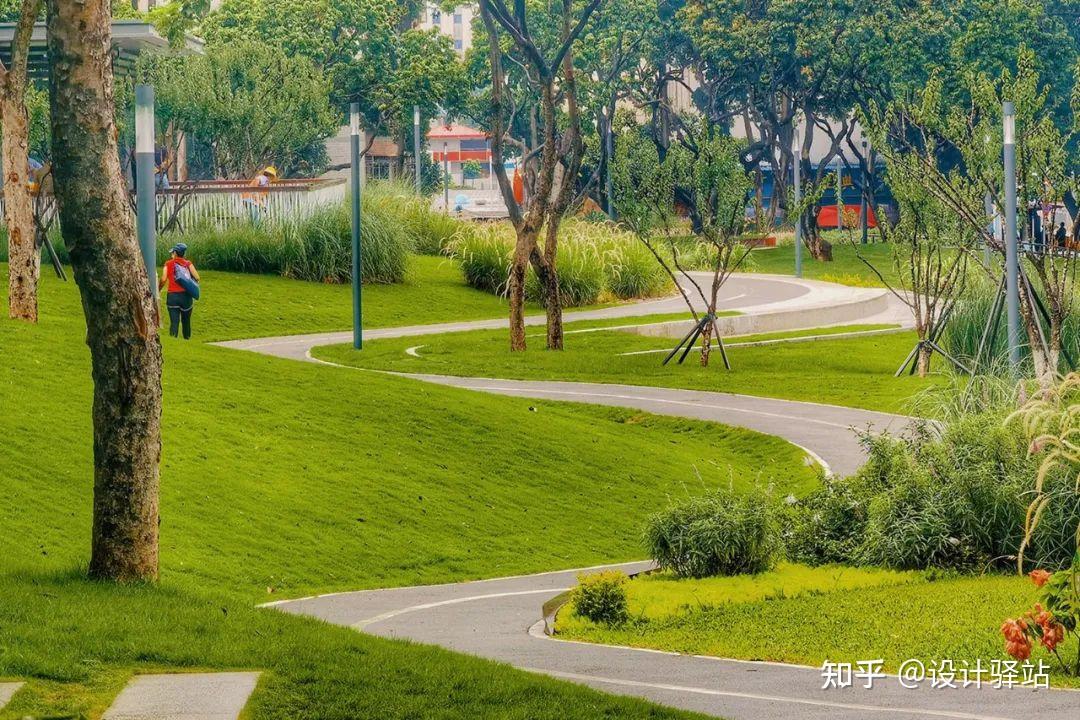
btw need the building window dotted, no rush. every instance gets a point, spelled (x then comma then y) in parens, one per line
(457, 18)
(436, 17)
(458, 44)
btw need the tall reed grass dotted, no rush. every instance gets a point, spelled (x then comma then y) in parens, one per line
(596, 262)
(965, 329)
(395, 222)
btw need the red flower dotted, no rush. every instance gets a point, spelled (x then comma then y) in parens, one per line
(1039, 577)
(1017, 643)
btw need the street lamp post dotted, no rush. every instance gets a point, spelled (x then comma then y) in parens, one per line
(839, 193)
(357, 277)
(1012, 260)
(145, 182)
(798, 208)
(417, 165)
(610, 152)
(865, 204)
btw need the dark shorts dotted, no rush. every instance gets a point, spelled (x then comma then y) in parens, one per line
(179, 301)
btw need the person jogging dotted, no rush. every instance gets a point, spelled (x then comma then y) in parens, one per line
(181, 277)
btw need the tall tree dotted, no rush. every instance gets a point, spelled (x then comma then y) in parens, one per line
(549, 68)
(120, 309)
(24, 268)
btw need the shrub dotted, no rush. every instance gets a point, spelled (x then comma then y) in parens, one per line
(430, 231)
(947, 498)
(581, 276)
(967, 323)
(596, 261)
(601, 597)
(485, 258)
(635, 273)
(317, 247)
(722, 533)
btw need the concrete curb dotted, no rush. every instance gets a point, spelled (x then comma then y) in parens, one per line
(781, 319)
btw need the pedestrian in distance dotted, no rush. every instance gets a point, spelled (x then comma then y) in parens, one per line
(182, 280)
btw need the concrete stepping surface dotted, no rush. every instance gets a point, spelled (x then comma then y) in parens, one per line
(194, 696)
(7, 691)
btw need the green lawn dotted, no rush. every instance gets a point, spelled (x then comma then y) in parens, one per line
(856, 372)
(801, 615)
(846, 268)
(283, 479)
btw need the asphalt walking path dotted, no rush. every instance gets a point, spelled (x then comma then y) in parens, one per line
(501, 619)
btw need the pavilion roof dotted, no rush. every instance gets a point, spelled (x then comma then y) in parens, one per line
(129, 38)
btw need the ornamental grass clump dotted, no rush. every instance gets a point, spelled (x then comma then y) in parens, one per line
(601, 597)
(952, 494)
(596, 262)
(721, 533)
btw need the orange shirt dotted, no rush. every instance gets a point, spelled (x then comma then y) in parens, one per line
(170, 273)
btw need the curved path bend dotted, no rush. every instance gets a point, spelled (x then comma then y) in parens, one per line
(501, 619)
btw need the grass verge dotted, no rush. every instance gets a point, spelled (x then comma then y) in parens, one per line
(284, 479)
(854, 372)
(802, 615)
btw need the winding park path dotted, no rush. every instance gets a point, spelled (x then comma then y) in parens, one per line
(503, 619)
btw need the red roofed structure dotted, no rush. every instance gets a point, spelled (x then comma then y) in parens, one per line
(458, 144)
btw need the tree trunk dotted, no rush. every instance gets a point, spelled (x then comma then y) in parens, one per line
(923, 366)
(548, 275)
(120, 311)
(519, 265)
(24, 269)
(820, 248)
(706, 345)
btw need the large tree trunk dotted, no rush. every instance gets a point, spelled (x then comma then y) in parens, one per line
(24, 269)
(121, 312)
(820, 248)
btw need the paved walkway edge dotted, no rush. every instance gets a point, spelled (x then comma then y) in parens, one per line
(7, 691)
(191, 696)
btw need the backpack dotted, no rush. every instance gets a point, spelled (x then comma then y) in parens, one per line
(183, 278)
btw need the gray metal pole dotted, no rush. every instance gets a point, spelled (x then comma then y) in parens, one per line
(417, 165)
(357, 266)
(1012, 260)
(798, 201)
(610, 145)
(865, 205)
(446, 177)
(839, 193)
(145, 198)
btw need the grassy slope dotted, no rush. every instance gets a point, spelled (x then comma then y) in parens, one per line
(855, 372)
(814, 619)
(282, 478)
(846, 267)
(237, 305)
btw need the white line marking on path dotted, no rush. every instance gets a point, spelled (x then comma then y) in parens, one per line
(754, 696)
(455, 601)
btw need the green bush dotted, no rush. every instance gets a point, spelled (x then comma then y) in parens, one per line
(485, 258)
(431, 231)
(317, 247)
(601, 597)
(636, 274)
(596, 262)
(722, 533)
(964, 331)
(953, 498)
